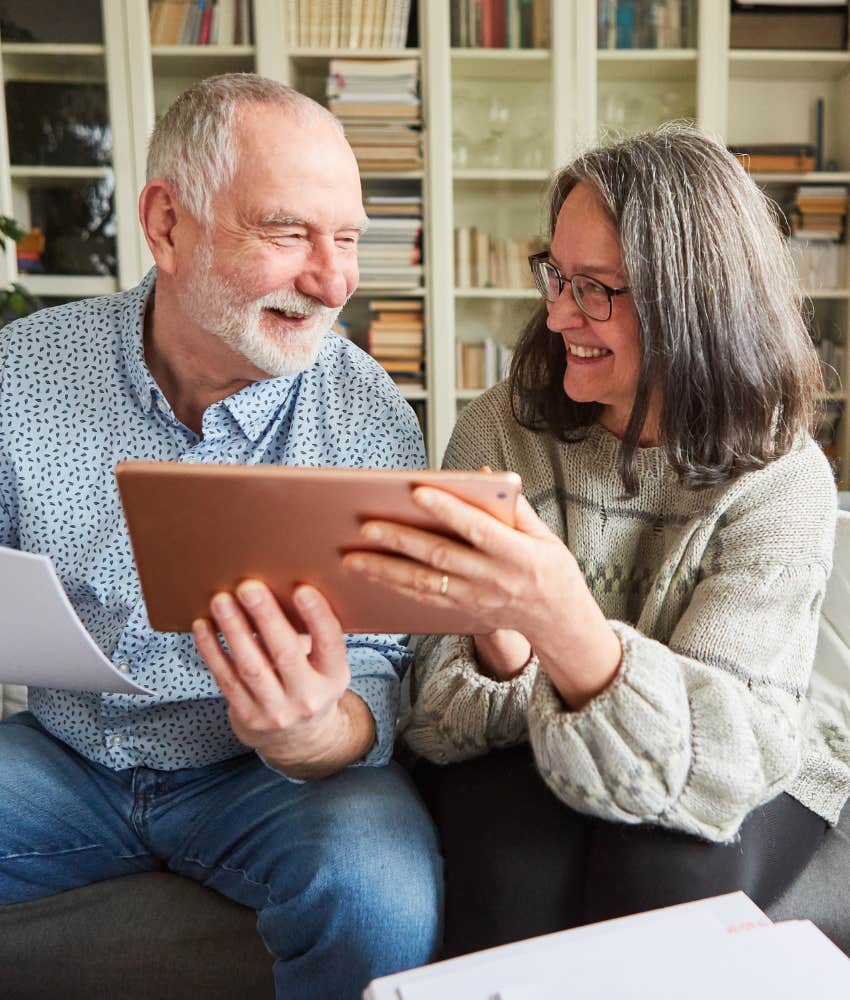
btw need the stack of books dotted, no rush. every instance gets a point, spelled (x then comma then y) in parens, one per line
(200, 22)
(390, 251)
(396, 339)
(500, 24)
(646, 24)
(819, 212)
(793, 158)
(480, 364)
(486, 261)
(378, 103)
(348, 24)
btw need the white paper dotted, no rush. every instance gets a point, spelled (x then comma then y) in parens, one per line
(785, 961)
(556, 964)
(42, 641)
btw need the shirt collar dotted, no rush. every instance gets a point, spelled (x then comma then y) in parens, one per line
(133, 340)
(255, 406)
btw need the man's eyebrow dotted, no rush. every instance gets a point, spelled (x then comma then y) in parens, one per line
(273, 219)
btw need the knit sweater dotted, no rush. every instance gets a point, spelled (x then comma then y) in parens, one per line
(715, 596)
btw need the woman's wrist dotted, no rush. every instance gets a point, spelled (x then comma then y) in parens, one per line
(503, 654)
(581, 663)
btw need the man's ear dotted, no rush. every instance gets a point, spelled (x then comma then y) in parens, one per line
(159, 212)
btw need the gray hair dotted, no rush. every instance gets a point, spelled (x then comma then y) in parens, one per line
(192, 145)
(719, 305)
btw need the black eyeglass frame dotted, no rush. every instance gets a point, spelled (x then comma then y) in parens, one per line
(543, 258)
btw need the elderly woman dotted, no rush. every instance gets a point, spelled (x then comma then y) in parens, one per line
(649, 624)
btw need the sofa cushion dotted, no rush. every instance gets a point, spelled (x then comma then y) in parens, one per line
(142, 937)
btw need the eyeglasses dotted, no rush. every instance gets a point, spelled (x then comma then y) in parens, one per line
(591, 296)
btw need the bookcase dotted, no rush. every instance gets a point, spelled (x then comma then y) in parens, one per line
(497, 120)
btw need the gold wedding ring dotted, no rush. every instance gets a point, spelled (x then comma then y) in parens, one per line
(444, 585)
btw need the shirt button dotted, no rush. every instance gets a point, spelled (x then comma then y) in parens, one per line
(124, 668)
(162, 404)
(116, 740)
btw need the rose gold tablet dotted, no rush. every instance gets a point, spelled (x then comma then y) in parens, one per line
(198, 529)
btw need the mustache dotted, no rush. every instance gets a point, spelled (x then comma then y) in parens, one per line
(292, 301)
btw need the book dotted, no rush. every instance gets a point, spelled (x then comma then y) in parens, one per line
(775, 163)
(402, 305)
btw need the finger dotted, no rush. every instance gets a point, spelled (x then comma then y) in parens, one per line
(428, 547)
(527, 519)
(401, 575)
(329, 655)
(249, 661)
(285, 648)
(483, 531)
(282, 644)
(221, 667)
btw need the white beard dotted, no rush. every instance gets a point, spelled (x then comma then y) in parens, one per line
(208, 299)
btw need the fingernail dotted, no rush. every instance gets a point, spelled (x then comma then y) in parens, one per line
(305, 597)
(355, 563)
(250, 593)
(373, 532)
(200, 628)
(223, 605)
(423, 496)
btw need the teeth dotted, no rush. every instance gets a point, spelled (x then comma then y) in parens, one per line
(288, 314)
(587, 352)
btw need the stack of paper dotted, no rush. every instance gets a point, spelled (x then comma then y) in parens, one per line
(720, 947)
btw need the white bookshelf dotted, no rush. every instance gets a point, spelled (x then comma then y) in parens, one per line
(560, 98)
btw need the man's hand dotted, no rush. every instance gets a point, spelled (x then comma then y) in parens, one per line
(287, 693)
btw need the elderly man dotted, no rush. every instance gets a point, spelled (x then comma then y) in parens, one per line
(252, 211)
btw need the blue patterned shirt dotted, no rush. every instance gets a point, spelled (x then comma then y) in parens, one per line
(76, 397)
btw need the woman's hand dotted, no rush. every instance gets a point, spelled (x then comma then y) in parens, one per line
(519, 580)
(499, 576)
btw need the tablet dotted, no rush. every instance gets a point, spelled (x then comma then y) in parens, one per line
(199, 529)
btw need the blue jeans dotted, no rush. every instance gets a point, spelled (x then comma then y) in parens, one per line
(345, 873)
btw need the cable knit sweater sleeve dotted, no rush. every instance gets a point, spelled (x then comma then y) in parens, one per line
(695, 732)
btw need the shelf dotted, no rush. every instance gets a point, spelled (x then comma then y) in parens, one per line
(497, 174)
(412, 392)
(68, 285)
(39, 176)
(392, 175)
(200, 60)
(395, 293)
(505, 64)
(827, 293)
(813, 177)
(529, 55)
(467, 394)
(780, 64)
(496, 293)
(305, 55)
(63, 63)
(646, 64)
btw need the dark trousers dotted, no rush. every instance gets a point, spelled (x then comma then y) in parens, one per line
(518, 862)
